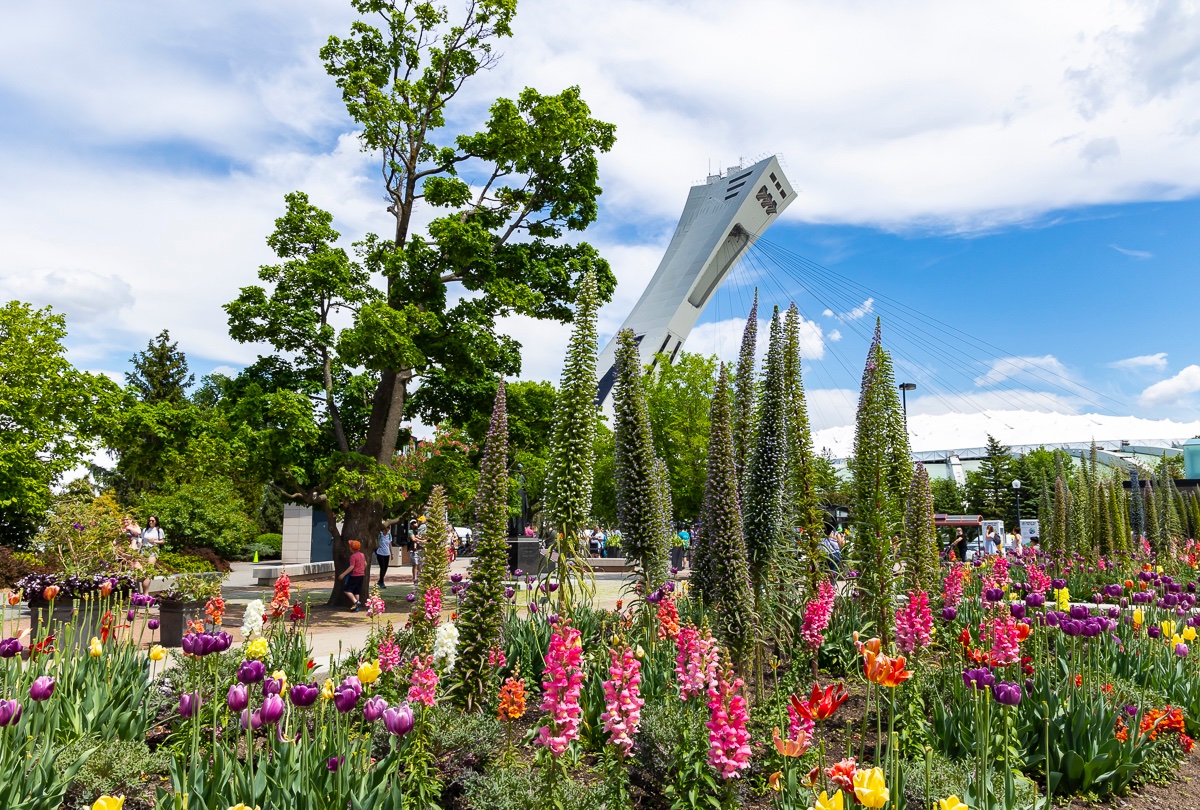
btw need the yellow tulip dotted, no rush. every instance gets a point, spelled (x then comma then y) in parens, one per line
(951, 803)
(109, 803)
(95, 648)
(327, 689)
(240, 806)
(368, 671)
(1189, 633)
(1168, 628)
(870, 788)
(258, 648)
(158, 652)
(639, 653)
(835, 802)
(280, 676)
(1138, 617)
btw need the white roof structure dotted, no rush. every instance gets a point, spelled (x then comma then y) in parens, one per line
(721, 219)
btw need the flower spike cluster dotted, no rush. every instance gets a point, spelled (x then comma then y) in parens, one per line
(563, 681)
(695, 662)
(728, 737)
(622, 701)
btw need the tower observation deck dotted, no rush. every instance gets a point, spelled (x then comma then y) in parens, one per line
(721, 219)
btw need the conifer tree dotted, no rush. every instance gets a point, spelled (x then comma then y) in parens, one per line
(745, 388)
(1153, 529)
(481, 617)
(1058, 538)
(435, 567)
(1137, 510)
(802, 506)
(921, 558)
(763, 491)
(160, 373)
(882, 472)
(720, 570)
(569, 471)
(639, 488)
(1104, 517)
(1045, 511)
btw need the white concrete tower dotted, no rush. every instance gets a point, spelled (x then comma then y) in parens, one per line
(721, 219)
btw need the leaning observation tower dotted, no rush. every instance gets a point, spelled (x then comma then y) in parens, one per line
(721, 219)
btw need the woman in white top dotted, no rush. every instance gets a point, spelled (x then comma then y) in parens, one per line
(151, 539)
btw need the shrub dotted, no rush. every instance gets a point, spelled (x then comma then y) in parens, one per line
(520, 789)
(208, 513)
(113, 768)
(269, 547)
(172, 562)
(16, 564)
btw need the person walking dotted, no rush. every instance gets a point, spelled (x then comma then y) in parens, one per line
(990, 546)
(958, 549)
(418, 547)
(149, 542)
(1018, 544)
(383, 554)
(832, 544)
(354, 574)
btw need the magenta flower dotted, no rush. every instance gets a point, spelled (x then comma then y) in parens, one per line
(238, 697)
(389, 654)
(41, 688)
(817, 613)
(189, 704)
(374, 708)
(345, 698)
(622, 701)
(728, 739)
(423, 683)
(1006, 643)
(399, 721)
(914, 623)
(433, 605)
(304, 694)
(695, 662)
(561, 685)
(10, 712)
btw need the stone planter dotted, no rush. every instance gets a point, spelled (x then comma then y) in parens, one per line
(72, 621)
(173, 616)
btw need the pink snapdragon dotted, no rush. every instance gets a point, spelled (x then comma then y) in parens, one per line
(1006, 641)
(561, 685)
(375, 605)
(914, 623)
(952, 586)
(728, 739)
(423, 683)
(622, 701)
(695, 662)
(1038, 581)
(389, 654)
(817, 614)
(998, 577)
(433, 605)
(799, 724)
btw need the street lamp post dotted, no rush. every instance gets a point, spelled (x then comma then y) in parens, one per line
(904, 389)
(1017, 489)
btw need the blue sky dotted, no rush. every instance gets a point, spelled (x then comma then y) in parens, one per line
(1024, 172)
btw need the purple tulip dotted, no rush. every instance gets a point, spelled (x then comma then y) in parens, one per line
(272, 686)
(412, 597)
(456, 577)
(345, 698)
(1035, 600)
(333, 763)
(272, 709)
(1053, 619)
(1131, 711)
(374, 708)
(518, 572)
(399, 721)
(552, 618)
(1079, 612)
(238, 698)
(251, 671)
(508, 593)
(251, 720)
(152, 624)
(655, 597)
(1181, 650)
(1154, 631)
(552, 587)
(1191, 587)
(1017, 609)
(949, 613)
(980, 678)
(41, 688)
(352, 682)
(304, 694)
(10, 712)
(10, 648)
(189, 704)
(1007, 694)
(670, 586)
(993, 594)
(1058, 584)
(533, 608)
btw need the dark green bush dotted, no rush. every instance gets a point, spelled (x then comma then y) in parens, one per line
(207, 513)
(176, 563)
(268, 546)
(115, 768)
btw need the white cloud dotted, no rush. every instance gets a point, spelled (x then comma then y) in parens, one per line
(1172, 389)
(1156, 361)
(1136, 254)
(724, 339)
(835, 335)
(82, 295)
(861, 311)
(1045, 368)
(828, 313)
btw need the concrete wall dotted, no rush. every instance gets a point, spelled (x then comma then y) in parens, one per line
(297, 534)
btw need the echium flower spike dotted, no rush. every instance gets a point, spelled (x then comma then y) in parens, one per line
(763, 494)
(435, 567)
(743, 399)
(482, 614)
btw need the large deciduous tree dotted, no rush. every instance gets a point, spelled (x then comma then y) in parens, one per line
(50, 413)
(679, 396)
(501, 198)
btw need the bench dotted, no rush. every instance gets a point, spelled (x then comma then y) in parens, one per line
(266, 574)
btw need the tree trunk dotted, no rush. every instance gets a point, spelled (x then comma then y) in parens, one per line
(362, 523)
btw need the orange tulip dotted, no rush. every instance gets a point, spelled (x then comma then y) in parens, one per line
(50, 592)
(893, 672)
(874, 664)
(791, 748)
(1023, 631)
(14, 597)
(106, 587)
(773, 781)
(874, 645)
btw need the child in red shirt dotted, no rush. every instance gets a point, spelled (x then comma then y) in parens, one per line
(357, 572)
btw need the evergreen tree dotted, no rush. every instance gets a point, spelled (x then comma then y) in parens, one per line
(763, 492)
(882, 473)
(1058, 537)
(921, 558)
(435, 566)
(802, 507)
(1137, 511)
(639, 491)
(569, 471)
(994, 482)
(1153, 528)
(744, 396)
(481, 617)
(160, 373)
(1045, 513)
(1104, 531)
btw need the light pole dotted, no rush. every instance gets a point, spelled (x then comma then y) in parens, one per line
(904, 389)
(1017, 489)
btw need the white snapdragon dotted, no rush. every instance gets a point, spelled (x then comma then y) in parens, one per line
(445, 646)
(252, 622)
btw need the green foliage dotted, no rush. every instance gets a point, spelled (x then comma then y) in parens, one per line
(678, 398)
(435, 563)
(160, 373)
(50, 413)
(112, 768)
(81, 535)
(802, 506)
(604, 477)
(570, 468)
(743, 397)
(640, 506)
(35, 779)
(720, 569)
(515, 788)
(763, 486)
(172, 562)
(482, 613)
(990, 488)
(207, 512)
(922, 565)
(447, 461)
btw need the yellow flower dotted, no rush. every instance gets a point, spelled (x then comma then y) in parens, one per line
(327, 689)
(239, 805)
(835, 802)
(280, 676)
(1158, 569)
(1176, 639)
(1138, 617)
(870, 788)
(1168, 628)
(368, 671)
(158, 652)
(1189, 633)
(639, 653)
(95, 648)
(1064, 599)
(951, 803)
(258, 648)
(109, 803)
